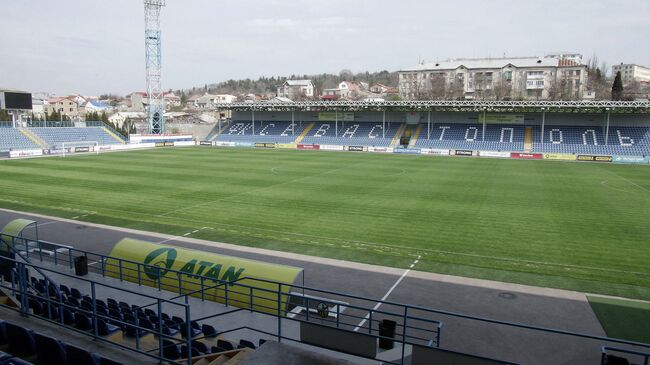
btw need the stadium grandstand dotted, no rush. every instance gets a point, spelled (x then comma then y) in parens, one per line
(154, 298)
(53, 136)
(575, 128)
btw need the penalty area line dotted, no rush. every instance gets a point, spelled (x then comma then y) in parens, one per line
(388, 293)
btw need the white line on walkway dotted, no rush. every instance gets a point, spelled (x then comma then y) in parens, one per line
(406, 272)
(184, 235)
(95, 262)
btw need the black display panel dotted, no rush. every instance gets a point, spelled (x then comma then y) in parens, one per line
(15, 100)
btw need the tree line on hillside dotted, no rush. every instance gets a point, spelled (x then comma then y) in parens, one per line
(265, 85)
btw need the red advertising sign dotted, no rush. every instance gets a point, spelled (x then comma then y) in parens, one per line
(308, 147)
(527, 156)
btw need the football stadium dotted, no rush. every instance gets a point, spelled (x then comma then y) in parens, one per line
(455, 232)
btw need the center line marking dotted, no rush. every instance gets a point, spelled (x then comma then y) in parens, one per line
(406, 272)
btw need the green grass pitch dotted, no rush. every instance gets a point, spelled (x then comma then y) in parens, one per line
(580, 226)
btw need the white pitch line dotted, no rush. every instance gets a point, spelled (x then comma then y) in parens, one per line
(406, 272)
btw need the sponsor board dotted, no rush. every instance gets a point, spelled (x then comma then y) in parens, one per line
(184, 143)
(502, 118)
(264, 145)
(105, 148)
(243, 144)
(381, 149)
(308, 147)
(224, 144)
(407, 151)
(133, 146)
(330, 147)
(526, 156)
(287, 145)
(434, 151)
(81, 149)
(494, 154)
(595, 158)
(205, 143)
(28, 153)
(355, 148)
(164, 144)
(327, 117)
(632, 159)
(463, 153)
(559, 156)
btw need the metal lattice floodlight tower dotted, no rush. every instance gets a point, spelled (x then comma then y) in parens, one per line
(155, 97)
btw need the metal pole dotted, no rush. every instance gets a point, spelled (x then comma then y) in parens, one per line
(404, 332)
(543, 124)
(383, 125)
(293, 125)
(484, 119)
(429, 125)
(280, 312)
(336, 123)
(607, 130)
(253, 120)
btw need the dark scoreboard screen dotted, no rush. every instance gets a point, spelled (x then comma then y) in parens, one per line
(14, 100)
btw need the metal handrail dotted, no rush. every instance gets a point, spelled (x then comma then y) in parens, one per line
(408, 307)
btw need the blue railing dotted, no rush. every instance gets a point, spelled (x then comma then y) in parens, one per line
(412, 328)
(635, 355)
(22, 288)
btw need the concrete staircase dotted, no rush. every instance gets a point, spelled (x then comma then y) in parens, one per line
(395, 142)
(528, 139)
(304, 133)
(415, 136)
(224, 126)
(33, 137)
(113, 135)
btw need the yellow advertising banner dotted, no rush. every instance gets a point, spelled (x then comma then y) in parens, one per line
(559, 156)
(221, 278)
(287, 145)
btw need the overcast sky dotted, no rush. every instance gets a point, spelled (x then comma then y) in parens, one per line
(94, 47)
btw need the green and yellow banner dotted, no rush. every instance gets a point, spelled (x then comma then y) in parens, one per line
(224, 279)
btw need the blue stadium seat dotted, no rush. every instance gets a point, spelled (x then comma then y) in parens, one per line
(50, 351)
(21, 340)
(246, 344)
(171, 351)
(223, 345)
(82, 321)
(78, 356)
(16, 361)
(105, 329)
(208, 331)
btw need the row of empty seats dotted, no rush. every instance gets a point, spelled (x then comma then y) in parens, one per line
(71, 307)
(556, 139)
(13, 139)
(55, 136)
(350, 133)
(269, 132)
(470, 137)
(22, 345)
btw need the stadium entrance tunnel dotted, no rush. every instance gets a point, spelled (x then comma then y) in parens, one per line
(238, 282)
(15, 236)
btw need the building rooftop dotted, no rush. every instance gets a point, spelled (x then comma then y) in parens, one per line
(299, 82)
(481, 63)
